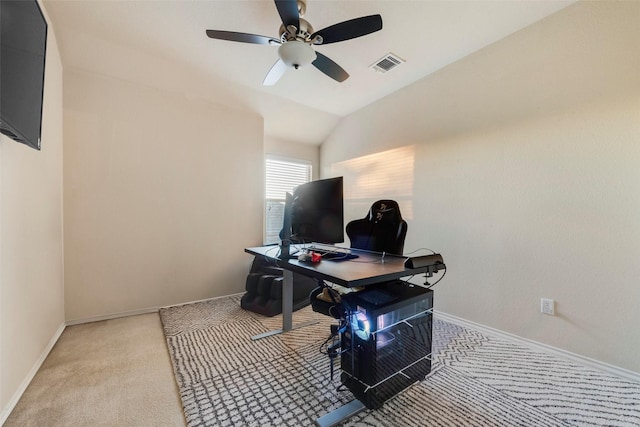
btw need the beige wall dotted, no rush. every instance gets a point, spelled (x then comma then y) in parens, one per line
(162, 194)
(523, 172)
(31, 255)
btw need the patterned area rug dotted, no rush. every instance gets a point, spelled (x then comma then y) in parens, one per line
(226, 379)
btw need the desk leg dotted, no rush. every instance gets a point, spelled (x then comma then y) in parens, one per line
(287, 300)
(287, 309)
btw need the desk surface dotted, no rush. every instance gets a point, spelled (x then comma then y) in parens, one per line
(369, 268)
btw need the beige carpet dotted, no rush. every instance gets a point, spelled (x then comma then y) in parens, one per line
(118, 373)
(109, 373)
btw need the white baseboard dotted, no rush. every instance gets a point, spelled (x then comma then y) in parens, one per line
(137, 312)
(203, 300)
(34, 370)
(111, 316)
(592, 363)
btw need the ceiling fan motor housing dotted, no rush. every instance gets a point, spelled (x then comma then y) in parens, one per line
(302, 34)
(296, 50)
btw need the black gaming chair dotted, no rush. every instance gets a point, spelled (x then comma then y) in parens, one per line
(382, 230)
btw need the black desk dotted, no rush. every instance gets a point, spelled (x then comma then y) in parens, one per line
(369, 268)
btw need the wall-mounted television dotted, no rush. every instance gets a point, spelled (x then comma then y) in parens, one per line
(23, 40)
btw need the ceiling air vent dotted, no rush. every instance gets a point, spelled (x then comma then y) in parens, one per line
(387, 63)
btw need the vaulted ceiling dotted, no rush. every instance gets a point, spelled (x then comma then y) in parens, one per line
(163, 43)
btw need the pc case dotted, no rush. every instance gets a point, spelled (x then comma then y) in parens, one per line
(387, 346)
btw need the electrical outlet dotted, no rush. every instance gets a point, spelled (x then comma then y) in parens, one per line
(547, 306)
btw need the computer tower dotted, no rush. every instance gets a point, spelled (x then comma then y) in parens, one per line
(387, 346)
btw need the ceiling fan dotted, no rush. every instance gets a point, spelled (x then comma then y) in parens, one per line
(297, 37)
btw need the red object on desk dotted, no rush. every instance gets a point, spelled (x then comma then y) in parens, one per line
(315, 257)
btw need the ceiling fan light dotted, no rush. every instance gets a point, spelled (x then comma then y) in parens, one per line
(296, 54)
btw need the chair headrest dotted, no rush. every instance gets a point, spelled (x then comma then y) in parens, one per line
(385, 211)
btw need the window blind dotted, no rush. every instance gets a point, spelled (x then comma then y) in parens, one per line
(282, 176)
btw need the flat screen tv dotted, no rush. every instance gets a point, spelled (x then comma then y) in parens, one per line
(317, 212)
(23, 40)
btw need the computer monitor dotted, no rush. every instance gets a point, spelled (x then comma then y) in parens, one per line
(314, 213)
(317, 212)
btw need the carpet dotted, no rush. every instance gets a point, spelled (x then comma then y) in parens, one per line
(226, 379)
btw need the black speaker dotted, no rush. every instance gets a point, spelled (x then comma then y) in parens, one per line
(424, 261)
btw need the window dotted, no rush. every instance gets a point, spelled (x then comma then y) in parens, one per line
(282, 176)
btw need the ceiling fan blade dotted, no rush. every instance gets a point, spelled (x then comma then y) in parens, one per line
(241, 37)
(288, 10)
(330, 68)
(277, 70)
(350, 29)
